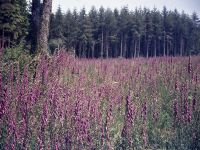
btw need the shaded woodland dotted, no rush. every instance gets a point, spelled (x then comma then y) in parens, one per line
(125, 33)
(100, 32)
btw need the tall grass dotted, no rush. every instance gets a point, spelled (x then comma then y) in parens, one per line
(67, 103)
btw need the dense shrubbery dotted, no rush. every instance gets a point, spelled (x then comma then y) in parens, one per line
(68, 103)
(16, 54)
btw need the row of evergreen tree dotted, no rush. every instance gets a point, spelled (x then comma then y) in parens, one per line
(105, 32)
(125, 33)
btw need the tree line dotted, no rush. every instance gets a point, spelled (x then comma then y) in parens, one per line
(125, 33)
(99, 33)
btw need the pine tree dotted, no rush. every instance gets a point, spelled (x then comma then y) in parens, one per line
(68, 29)
(164, 13)
(109, 25)
(85, 34)
(101, 18)
(44, 27)
(124, 18)
(156, 22)
(139, 28)
(116, 37)
(183, 33)
(93, 18)
(52, 32)
(56, 35)
(124, 33)
(13, 22)
(35, 24)
(132, 36)
(176, 32)
(195, 34)
(148, 30)
(59, 24)
(75, 29)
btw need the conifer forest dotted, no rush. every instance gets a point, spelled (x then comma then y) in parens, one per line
(98, 79)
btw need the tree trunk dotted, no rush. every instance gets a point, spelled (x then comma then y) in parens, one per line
(3, 36)
(147, 48)
(159, 49)
(84, 51)
(35, 18)
(181, 47)
(117, 52)
(107, 50)
(79, 50)
(155, 47)
(139, 47)
(107, 46)
(121, 46)
(171, 48)
(131, 49)
(175, 48)
(135, 49)
(44, 27)
(125, 49)
(9, 42)
(167, 47)
(102, 43)
(93, 45)
(164, 45)
(147, 54)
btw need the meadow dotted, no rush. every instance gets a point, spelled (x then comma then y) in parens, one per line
(62, 102)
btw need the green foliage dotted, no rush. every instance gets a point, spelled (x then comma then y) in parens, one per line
(55, 43)
(125, 33)
(58, 24)
(56, 33)
(18, 54)
(13, 20)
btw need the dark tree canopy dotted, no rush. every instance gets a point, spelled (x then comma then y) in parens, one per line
(99, 33)
(13, 21)
(125, 33)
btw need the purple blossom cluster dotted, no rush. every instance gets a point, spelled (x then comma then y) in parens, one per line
(67, 103)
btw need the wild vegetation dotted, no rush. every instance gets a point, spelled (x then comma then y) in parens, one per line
(64, 102)
(53, 99)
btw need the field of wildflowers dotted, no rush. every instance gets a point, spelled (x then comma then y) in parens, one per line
(64, 102)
